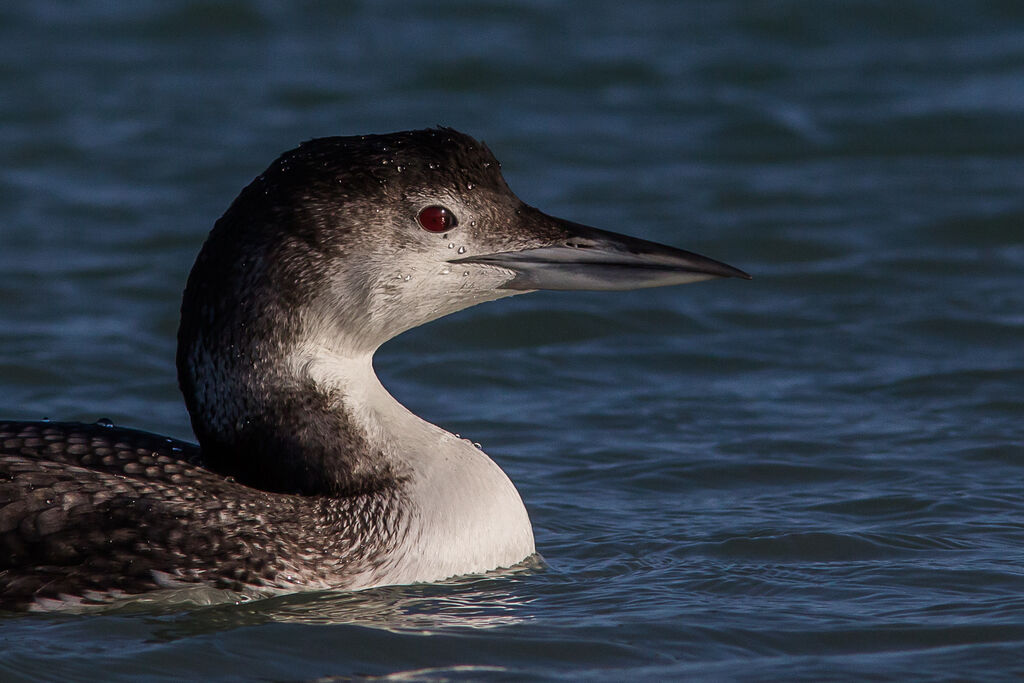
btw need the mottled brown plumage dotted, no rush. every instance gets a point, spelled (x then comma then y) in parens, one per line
(99, 512)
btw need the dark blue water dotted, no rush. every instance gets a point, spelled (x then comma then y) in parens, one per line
(814, 475)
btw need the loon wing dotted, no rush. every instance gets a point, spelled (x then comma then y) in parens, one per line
(90, 513)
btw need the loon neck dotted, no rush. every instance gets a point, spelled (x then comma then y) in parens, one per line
(310, 421)
(378, 428)
(314, 419)
(462, 513)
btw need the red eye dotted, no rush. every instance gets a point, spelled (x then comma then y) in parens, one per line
(437, 219)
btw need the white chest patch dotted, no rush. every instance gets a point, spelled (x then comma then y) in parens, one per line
(462, 513)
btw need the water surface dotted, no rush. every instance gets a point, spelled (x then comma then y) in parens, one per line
(813, 475)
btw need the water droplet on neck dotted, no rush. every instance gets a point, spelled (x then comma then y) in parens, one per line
(451, 245)
(462, 250)
(469, 186)
(407, 278)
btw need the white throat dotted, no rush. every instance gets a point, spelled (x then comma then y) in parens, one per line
(463, 514)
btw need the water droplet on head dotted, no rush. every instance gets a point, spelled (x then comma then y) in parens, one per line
(462, 250)
(407, 278)
(451, 245)
(472, 224)
(431, 165)
(105, 422)
(469, 186)
(445, 271)
(465, 273)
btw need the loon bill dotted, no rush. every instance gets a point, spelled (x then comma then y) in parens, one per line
(308, 474)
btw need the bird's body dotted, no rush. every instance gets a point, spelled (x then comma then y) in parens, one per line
(308, 474)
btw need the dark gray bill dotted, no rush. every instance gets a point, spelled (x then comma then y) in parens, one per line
(589, 258)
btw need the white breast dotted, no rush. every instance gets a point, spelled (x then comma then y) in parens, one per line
(462, 513)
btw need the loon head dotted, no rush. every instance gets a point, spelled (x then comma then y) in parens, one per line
(340, 245)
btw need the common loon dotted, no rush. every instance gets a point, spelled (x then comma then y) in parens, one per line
(308, 474)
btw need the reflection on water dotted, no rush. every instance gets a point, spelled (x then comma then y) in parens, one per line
(158, 633)
(476, 602)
